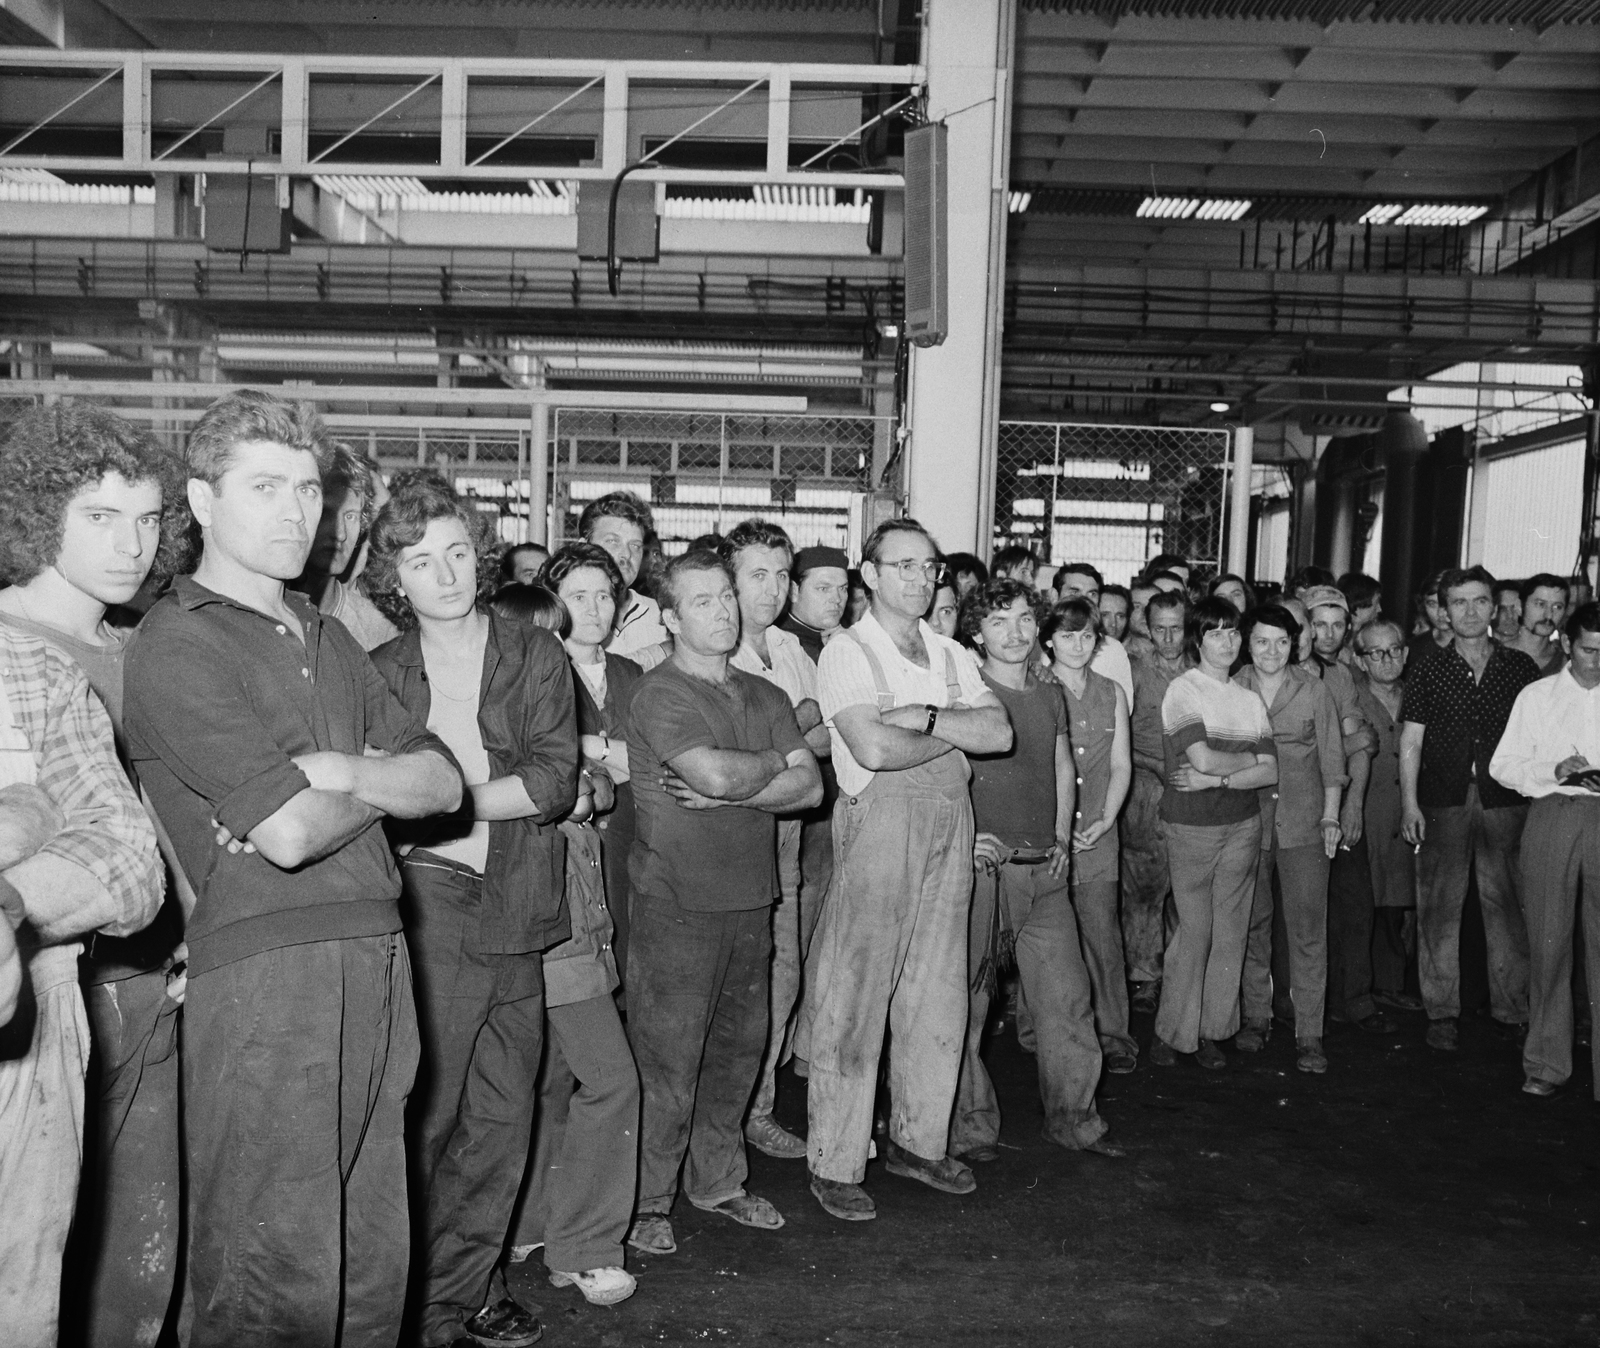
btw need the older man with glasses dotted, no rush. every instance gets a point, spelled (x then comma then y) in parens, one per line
(1380, 647)
(905, 707)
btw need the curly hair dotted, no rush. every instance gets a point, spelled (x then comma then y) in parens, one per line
(417, 497)
(993, 596)
(50, 454)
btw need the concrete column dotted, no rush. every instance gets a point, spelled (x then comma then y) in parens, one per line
(954, 404)
(1244, 443)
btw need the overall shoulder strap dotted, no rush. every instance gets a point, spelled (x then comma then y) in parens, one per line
(952, 676)
(879, 680)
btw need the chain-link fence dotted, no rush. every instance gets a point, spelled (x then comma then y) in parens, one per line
(1113, 496)
(704, 472)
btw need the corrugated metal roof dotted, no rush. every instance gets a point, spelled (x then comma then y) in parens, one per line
(1530, 13)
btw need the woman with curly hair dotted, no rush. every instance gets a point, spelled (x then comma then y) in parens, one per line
(90, 507)
(483, 893)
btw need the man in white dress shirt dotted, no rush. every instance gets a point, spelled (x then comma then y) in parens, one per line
(905, 707)
(1550, 751)
(760, 554)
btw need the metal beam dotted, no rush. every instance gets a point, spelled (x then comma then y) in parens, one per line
(798, 80)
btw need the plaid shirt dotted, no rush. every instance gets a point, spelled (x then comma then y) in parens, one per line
(105, 856)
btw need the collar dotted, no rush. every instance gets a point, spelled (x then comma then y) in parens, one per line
(193, 595)
(408, 646)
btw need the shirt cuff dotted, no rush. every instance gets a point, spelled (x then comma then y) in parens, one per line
(258, 799)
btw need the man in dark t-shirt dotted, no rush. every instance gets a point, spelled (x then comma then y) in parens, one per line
(715, 755)
(1022, 810)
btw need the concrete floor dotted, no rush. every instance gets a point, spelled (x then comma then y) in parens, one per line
(1407, 1197)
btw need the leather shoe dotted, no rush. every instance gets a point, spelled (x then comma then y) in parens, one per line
(981, 1154)
(1535, 1086)
(946, 1174)
(1162, 1054)
(504, 1325)
(847, 1202)
(1443, 1035)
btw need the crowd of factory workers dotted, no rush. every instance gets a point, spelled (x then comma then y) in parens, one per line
(386, 907)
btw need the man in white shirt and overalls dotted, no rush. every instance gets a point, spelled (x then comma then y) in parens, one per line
(1550, 751)
(904, 706)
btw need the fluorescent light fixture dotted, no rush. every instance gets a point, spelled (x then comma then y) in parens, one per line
(1200, 208)
(1019, 202)
(1167, 208)
(1442, 215)
(1424, 214)
(781, 203)
(1219, 407)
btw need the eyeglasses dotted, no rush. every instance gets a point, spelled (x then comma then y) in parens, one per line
(910, 568)
(1382, 653)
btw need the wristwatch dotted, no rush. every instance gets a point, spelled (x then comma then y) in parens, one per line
(933, 715)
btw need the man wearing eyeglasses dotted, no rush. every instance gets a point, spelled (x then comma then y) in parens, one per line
(1380, 647)
(905, 706)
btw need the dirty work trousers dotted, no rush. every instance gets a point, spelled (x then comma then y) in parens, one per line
(892, 946)
(1288, 942)
(131, 1204)
(1145, 878)
(1213, 882)
(482, 1023)
(1560, 850)
(296, 1065)
(697, 1019)
(1036, 909)
(794, 922)
(1458, 837)
(44, 1053)
(585, 1164)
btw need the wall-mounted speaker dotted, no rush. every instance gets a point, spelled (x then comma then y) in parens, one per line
(927, 261)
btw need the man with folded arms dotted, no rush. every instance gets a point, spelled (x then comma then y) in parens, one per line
(1550, 751)
(715, 754)
(272, 751)
(905, 707)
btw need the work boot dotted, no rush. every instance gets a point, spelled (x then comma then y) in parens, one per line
(848, 1202)
(1309, 1056)
(1162, 1054)
(771, 1138)
(504, 1325)
(1209, 1056)
(1253, 1036)
(946, 1174)
(1443, 1035)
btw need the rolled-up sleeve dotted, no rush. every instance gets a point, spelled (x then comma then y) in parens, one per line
(104, 857)
(189, 707)
(547, 761)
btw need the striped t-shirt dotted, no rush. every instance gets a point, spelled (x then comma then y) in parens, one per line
(1228, 718)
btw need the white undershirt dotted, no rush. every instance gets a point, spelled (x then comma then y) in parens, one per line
(456, 722)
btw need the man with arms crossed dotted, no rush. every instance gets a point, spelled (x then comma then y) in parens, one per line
(715, 753)
(1551, 752)
(272, 750)
(905, 707)
(758, 554)
(1456, 814)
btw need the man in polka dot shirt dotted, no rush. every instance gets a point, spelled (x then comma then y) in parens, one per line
(1456, 815)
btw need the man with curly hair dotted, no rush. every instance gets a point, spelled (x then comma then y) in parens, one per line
(89, 507)
(273, 750)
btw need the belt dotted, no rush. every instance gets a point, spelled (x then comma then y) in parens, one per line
(1023, 856)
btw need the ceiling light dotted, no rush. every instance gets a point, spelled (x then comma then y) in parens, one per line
(1019, 202)
(1429, 214)
(1167, 208)
(1222, 209)
(1442, 215)
(1219, 407)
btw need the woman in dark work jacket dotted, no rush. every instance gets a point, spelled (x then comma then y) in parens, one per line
(484, 893)
(588, 583)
